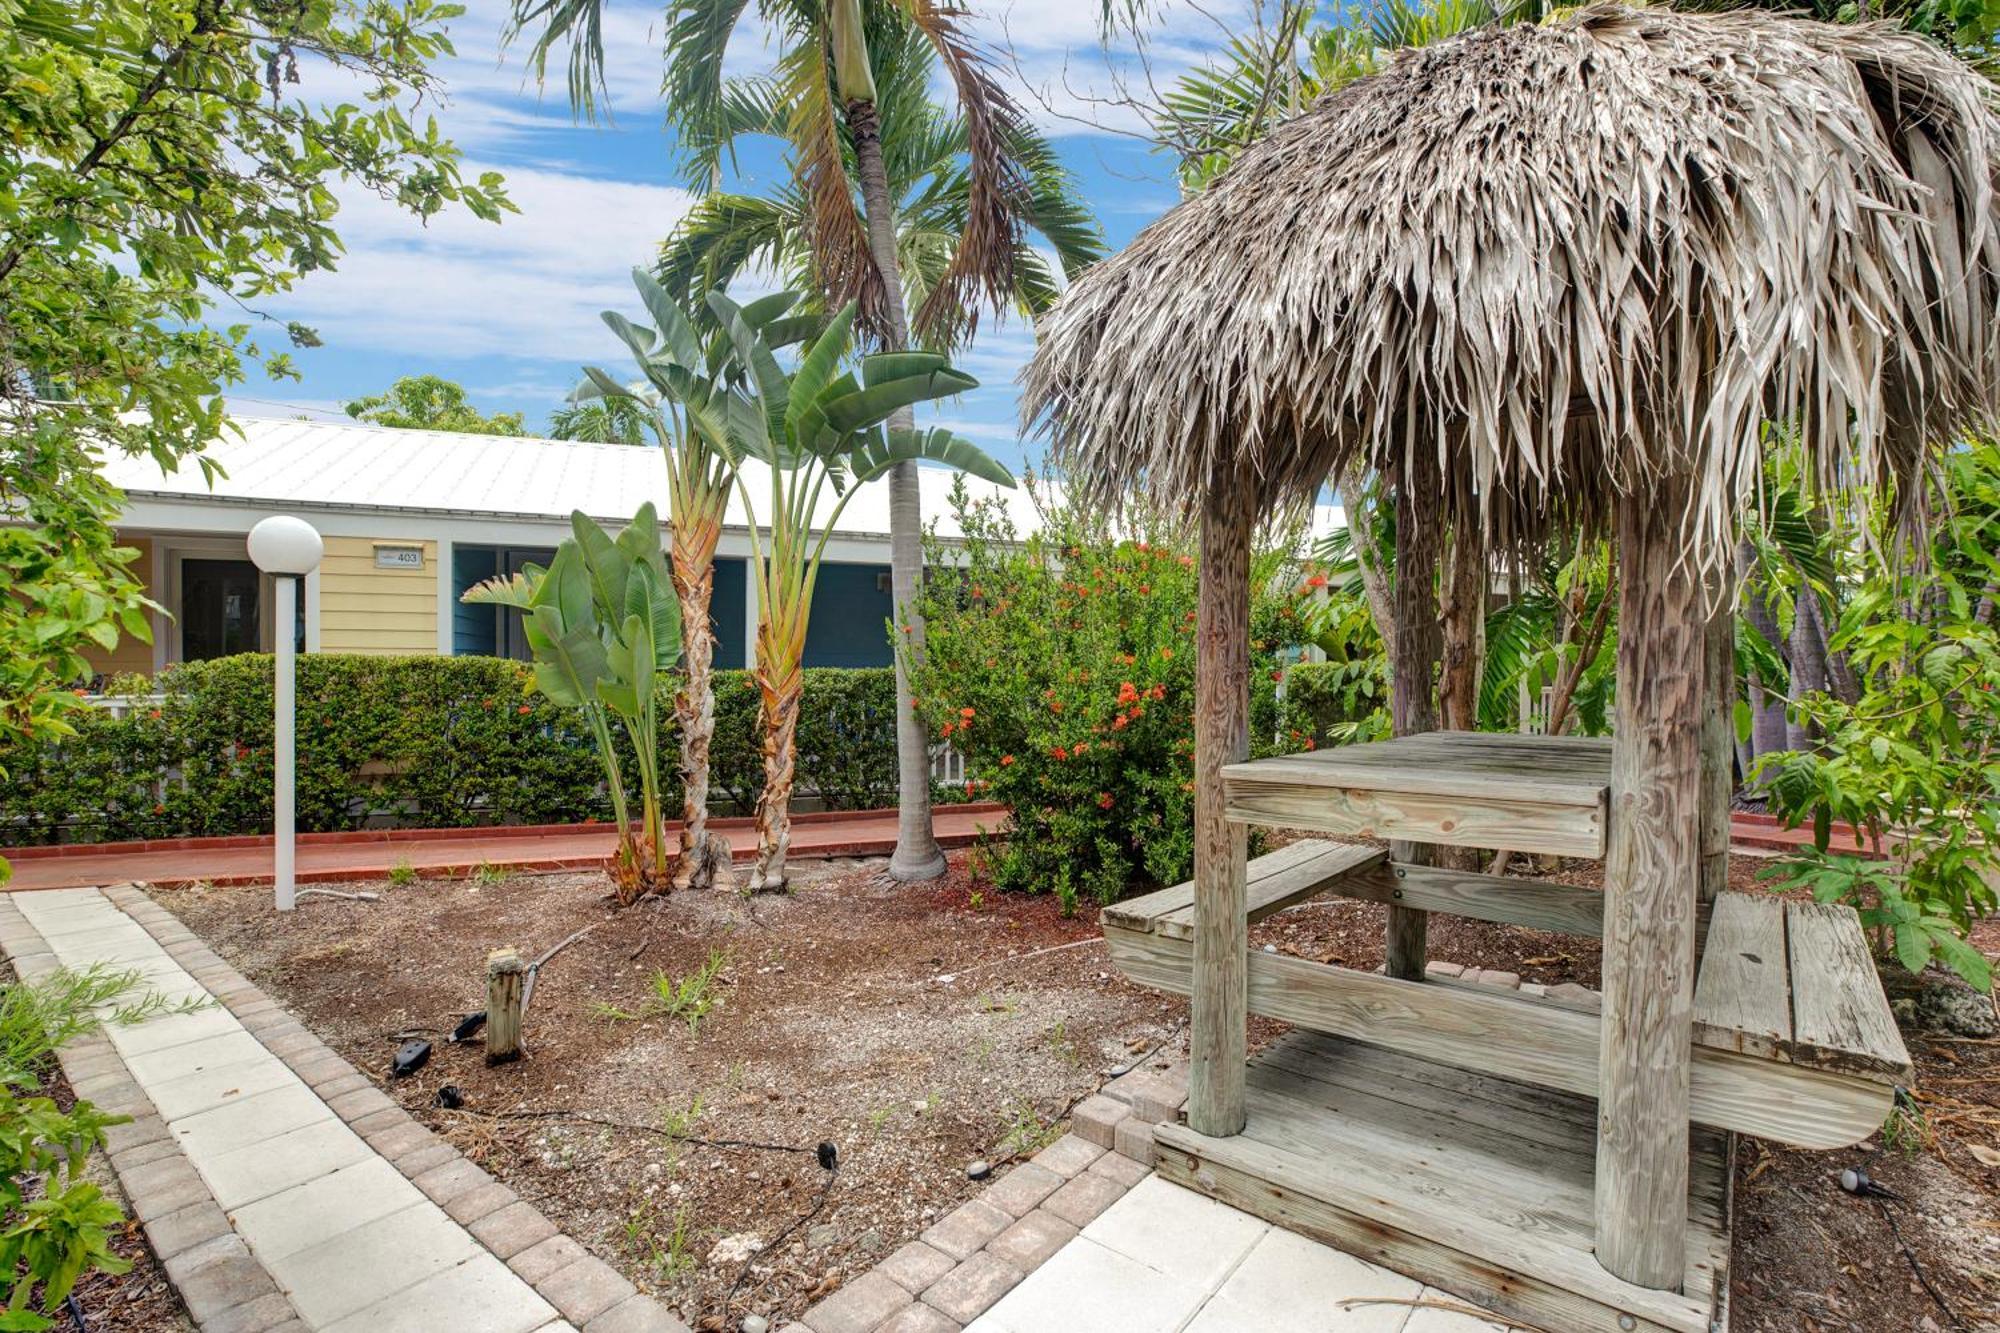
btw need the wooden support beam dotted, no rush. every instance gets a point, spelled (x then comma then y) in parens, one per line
(1718, 743)
(1413, 676)
(1652, 880)
(505, 975)
(1218, 1025)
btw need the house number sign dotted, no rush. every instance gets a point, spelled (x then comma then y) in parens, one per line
(399, 557)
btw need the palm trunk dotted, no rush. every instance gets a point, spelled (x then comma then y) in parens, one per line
(917, 855)
(701, 854)
(774, 805)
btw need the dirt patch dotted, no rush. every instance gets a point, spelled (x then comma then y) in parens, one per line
(917, 1028)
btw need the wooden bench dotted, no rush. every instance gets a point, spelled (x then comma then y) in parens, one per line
(1792, 1039)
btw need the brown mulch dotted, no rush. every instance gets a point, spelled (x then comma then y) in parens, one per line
(918, 1028)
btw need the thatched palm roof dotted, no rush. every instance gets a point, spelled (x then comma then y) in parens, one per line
(1556, 259)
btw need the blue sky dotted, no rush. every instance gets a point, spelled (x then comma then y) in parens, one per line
(510, 311)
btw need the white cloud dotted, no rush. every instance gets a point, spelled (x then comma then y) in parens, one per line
(529, 287)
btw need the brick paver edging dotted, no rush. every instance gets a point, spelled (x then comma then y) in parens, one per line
(967, 1260)
(219, 1280)
(588, 1292)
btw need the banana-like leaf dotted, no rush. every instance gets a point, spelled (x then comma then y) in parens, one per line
(638, 337)
(569, 671)
(937, 445)
(873, 404)
(639, 540)
(761, 313)
(754, 354)
(566, 589)
(598, 384)
(627, 686)
(816, 370)
(609, 568)
(649, 596)
(677, 335)
(886, 366)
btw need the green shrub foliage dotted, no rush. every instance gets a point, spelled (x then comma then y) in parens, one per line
(430, 741)
(1063, 666)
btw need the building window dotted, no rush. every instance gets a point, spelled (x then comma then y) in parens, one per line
(219, 608)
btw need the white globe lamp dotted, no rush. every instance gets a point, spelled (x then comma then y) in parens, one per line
(288, 549)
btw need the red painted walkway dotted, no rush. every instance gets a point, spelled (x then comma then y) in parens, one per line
(331, 857)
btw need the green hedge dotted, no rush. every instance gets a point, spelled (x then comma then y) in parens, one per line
(423, 741)
(1320, 696)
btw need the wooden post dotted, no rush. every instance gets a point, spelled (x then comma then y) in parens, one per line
(1718, 741)
(1651, 878)
(1413, 676)
(504, 973)
(1219, 1036)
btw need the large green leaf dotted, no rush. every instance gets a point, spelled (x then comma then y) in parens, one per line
(574, 660)
(677, 334)
(936, 445)
(816, 370)
(609, 568)
(754, 355)
(874, 404)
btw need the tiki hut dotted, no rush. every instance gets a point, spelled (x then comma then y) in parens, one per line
(1573, 272)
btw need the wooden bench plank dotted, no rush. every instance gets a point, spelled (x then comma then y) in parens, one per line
(1145, 911)
(1273, 890)
(1519, 1039)
(1742, 994)
(1536, 903)
(1840, 1017)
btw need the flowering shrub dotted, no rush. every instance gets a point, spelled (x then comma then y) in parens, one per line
(1063, 668)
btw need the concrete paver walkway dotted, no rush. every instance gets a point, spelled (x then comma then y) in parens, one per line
(280, 1188)
(1164, 1259)
(324, 858)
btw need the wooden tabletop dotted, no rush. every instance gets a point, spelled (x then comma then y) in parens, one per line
(1478, 789)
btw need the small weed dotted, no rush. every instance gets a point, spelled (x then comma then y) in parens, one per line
(694, 996)
(402, 873)
(676, 1121)
(1065, 1049)
(1065, 893)
(1029, 1133)
(880, 1117)
(1908, 1130)
(975, 900)
(677, 1259)
(488, 873)
(611, 1013)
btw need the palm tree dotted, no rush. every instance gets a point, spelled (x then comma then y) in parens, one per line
(682, 371)
(825, 83)
(605, 421)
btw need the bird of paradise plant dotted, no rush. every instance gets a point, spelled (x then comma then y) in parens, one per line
(681, 365)
(819, 433)
(602, 625)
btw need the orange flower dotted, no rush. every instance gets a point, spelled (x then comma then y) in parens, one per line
(1006, 760)
(966, 713)
(945, 730)
(1058, 753)
(1145, 590)
(1277, 675)
(1104, 801)
(1127, 692)
(1166, 654)
(1316, 581)
(526, 708)
(1119, 723)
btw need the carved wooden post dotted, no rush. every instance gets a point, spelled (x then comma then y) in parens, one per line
(1419, 644)
(504, 973)
(1718, 741)
(1219, 1037)
(1651, 879)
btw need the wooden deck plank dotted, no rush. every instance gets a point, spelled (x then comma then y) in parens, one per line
(1510, 900)
(1840, 1017)
(1742, 993)
(1491, 1216)
(1144, 912)
(1513, 1038)
(1553, 770)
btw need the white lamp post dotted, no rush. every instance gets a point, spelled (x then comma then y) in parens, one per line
(288, 549)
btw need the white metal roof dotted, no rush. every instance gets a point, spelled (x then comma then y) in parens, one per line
(354, 466)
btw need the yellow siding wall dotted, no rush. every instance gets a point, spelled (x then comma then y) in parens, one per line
(363, 609)
(131, 654)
